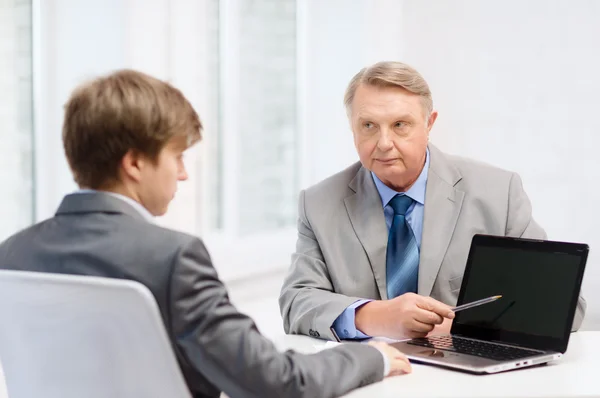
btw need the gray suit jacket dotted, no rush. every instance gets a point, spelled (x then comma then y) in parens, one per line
(342, 238)
(218, 348)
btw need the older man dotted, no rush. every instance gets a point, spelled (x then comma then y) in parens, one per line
(382, 245)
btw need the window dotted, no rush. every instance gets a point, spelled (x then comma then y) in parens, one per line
(236, 62)
(253, 147)
(16, 121)
(256, 131)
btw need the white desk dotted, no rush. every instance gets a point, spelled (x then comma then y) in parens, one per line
(577, 374)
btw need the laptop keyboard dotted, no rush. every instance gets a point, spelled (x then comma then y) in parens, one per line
(474, 347)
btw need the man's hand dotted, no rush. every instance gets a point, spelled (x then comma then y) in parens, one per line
(406, 316)
(399, 363)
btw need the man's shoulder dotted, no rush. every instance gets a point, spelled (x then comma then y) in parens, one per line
(335, 186)
(140, 235)
(473, 170)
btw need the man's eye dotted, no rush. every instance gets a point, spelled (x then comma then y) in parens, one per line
(368, 125)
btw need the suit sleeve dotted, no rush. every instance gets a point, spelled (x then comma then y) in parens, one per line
(520, 223)
(307, 301)
(226, 348)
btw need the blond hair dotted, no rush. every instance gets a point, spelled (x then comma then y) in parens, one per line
(125, 110)
(391, 74)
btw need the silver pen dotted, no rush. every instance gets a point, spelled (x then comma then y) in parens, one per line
(476, 303)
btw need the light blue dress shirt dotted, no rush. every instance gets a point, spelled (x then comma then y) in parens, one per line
(344, 324)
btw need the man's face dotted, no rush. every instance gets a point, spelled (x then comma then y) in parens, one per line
(391, 131)
(158, 182)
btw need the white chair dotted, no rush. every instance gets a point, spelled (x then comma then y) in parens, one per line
(64, 336)
(3, 393)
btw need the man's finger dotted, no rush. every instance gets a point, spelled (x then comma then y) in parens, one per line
(418, 326)
(431, 304)
(428, 317)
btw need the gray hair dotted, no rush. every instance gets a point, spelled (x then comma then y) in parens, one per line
(390, 74)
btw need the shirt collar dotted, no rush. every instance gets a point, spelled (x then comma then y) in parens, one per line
(415, 192)
(135, 204)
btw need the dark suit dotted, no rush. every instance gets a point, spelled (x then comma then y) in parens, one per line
(217, 347)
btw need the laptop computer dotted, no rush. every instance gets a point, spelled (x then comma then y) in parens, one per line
(539, 282)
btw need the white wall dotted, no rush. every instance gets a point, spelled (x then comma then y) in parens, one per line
(339, 38)
(516, 84)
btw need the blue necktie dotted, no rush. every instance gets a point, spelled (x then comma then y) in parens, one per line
(402, 258)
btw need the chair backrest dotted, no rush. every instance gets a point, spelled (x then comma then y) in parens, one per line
(3, 392)
(77, 336)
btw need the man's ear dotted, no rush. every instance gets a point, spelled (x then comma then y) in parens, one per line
(132, 164)
(431, 120)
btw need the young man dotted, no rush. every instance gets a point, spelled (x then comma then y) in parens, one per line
(124, 136)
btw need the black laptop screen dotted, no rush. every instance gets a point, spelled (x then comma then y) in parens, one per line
(538, 281)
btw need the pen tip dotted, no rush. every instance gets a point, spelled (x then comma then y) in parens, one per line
(497, 297)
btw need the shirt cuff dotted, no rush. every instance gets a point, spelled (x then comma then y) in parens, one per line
(344, 324)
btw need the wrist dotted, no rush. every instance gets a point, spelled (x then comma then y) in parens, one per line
(365, 318)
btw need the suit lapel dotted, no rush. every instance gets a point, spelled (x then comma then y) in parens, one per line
(442, 208)
(366, 214)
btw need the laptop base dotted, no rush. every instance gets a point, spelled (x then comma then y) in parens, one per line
(469, 363)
